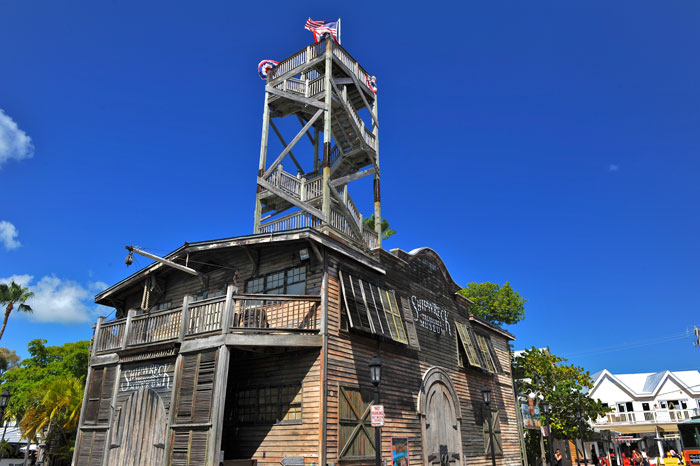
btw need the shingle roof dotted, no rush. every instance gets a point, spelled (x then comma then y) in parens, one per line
(648, 383)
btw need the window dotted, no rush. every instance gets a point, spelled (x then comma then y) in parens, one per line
(269, 405)
(210, 293)
(372, 309)
(478, 349)
(355, 431)
(289, 281)
(496, 426)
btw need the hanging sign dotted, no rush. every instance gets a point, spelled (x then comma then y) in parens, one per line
(377, 415)
(265, 66)
(531, 415)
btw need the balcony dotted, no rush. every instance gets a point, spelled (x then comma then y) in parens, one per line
(659, 416)
(228, 315)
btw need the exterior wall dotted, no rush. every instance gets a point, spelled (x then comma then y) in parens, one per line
(404, 367)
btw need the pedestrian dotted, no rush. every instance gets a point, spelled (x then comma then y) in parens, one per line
(558, 457)
(594, 456)
(636, 458)
(645, 457)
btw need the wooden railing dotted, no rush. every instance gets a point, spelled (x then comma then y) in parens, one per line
(205, 316)
(110, 336)
(156, 327)
(304, 87)
(370, 237)
(260, 312)
(658, 416)
(281, 312)
(299, 219)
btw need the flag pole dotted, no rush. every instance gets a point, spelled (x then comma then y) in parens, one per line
(339, 31)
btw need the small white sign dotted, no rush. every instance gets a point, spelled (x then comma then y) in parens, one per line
(377, 415)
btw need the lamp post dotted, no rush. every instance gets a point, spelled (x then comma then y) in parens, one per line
(580, 431)
(4, 401)
(375, 374)
(486, 395)
(547, 408)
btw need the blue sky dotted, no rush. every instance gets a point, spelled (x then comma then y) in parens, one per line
(552, 144)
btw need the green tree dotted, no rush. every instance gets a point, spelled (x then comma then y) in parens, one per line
(563, 386)
(9, 296)
(497, 304)
(8, 359)
(386, 231)
(47, 390)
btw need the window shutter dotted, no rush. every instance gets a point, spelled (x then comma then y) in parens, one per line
(496, 426)
(355, 433)
(494, 356)
(91, 449)
(465, 337)
(410, 324)
(100, 391)
(196, 387)
(189, 448)
(109, 374)
(93, 399)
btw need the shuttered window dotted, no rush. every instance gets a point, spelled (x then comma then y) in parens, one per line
(496, 426)
(196, 387)
(372, 309)
(355, 431)
(289, 281)
(100, 392)
(465, 338)
(91, 448)
(189, 447)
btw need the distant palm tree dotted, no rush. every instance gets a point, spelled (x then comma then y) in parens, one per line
(9, 296)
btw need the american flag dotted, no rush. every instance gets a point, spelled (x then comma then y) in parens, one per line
(321, 28)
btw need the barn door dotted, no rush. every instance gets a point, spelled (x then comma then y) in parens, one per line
(138, 433)
(441, 418)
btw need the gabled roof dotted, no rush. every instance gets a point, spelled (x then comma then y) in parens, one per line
(648, 384)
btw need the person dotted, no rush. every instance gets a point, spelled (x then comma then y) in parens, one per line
(645, 458)
(558, 457)
(594, 456)
(636, 458)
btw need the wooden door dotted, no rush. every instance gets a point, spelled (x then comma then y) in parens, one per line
(442, 437)
(138, 431)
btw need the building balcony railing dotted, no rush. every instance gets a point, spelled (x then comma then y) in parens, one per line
(659, 416)
(222, 314)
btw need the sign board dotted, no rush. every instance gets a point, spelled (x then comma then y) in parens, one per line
(377, 415)
(399, 451)
(693, 457)
(531, 415)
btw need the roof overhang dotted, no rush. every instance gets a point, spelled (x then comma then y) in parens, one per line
(260, 239)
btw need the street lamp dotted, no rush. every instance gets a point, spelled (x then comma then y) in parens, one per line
(580, 431)
(486, 396)
(4, 401)
(547, 408)
(375, 375)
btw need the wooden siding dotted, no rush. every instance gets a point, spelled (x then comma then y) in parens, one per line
(269, 442)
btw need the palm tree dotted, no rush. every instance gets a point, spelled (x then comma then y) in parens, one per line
(9, 296)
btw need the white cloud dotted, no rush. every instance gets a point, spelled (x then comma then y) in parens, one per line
(8, 235)
(57, 300)
(613, 168)
(14, 143)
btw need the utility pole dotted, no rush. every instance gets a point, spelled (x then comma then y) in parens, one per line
(696, 330)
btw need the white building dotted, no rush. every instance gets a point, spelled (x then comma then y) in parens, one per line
(646, 407)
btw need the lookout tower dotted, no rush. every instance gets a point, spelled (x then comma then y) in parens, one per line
(325, 89)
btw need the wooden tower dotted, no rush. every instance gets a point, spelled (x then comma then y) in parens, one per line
(325, 89)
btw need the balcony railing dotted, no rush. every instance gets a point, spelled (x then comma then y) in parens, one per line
(242, 313)
(659, 416)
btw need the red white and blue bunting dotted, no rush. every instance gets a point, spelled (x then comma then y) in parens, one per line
(372, 83)
(265, 66)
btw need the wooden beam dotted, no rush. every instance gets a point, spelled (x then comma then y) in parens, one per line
(317, 253)
(348, 178)
(284, 143)
(348, 216)
(172, 264)
(292, 144)
(298, 98)
(303, 122)
(297, 202)
(277, 339)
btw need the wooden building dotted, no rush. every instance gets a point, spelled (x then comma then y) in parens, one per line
(255, 349)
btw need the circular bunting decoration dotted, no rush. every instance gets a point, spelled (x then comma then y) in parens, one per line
(265, 66)
(372, 83)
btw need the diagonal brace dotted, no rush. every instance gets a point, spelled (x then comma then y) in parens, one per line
(287, 149)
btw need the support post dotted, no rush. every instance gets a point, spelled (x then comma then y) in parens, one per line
(317, 136)
(326, 166)
(127, 328)
(218, 403)
(185, 317)
(263, 161)
(378, 433)
(377, 194)
(227, 318)
(96, 336)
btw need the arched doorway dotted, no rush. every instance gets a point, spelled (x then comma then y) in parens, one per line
(441, 418)
(138, 431)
